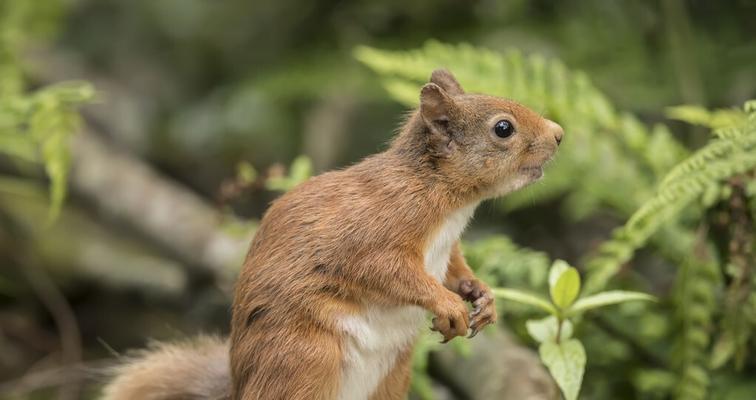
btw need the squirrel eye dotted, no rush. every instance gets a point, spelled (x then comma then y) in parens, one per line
(504, 129)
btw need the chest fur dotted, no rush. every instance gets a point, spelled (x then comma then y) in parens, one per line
(439, 247)
(377, 336)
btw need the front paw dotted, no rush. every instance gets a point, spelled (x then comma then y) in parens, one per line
(452, 318)
(484, 310)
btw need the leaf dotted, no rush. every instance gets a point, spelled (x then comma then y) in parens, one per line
(607, 298)
(697, 115)
(545, 330)
(557, 268)
(566, 288)
(18, 146)
(246, 173)
(723, 350)
(566, 363)
(301, 170)
(525, 298)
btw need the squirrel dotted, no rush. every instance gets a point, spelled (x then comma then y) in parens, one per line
(335, 286)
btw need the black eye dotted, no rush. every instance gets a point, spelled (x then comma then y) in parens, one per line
(504, 129)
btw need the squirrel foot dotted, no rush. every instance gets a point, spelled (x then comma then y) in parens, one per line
(452, 318)
(484, 311)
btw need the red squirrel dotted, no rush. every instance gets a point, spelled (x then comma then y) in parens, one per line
(336, 283)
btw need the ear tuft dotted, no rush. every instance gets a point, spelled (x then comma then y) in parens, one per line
(435, 103)
(446, 80)
(436, 109)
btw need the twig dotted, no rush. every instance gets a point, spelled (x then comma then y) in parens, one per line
(65, 322)
(52, 377)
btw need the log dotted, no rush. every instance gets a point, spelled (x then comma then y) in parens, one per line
(497, 367)
(125, 188)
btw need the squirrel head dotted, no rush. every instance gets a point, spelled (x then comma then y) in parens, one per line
(488, 145)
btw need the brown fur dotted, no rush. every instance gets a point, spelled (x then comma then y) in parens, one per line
(356, 237)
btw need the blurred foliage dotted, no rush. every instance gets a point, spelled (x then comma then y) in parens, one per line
(210, 92)
(300, 171)
(35, 125)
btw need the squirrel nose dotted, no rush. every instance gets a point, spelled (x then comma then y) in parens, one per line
(557, 131)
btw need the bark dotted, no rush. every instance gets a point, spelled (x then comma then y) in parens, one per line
(497, 368)
(127, 189)
(77, 247)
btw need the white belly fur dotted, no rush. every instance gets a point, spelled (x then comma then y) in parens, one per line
(377, 336)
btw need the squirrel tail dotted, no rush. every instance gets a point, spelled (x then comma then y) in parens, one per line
(196, 369)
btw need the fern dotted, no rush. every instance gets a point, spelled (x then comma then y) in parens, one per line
(729, 153)
(500, 262)
(695, 303)
(696, 115)
(35, 126)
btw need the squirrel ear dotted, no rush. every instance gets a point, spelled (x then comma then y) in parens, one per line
(435, 105)
(436, 108)
(445, 79)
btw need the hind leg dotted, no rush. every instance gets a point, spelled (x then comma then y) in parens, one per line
(396, 383)
(293, 365)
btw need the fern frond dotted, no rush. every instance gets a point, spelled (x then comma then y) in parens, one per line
(733, 139)
(697, 115)
(500, 262)
(695, 304)
(726, 155)
(35, 126)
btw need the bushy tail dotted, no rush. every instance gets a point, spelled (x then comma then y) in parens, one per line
(196, 369)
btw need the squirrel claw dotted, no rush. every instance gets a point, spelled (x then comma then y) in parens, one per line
(473, 332)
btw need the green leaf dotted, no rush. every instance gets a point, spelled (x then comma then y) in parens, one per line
(697, 115)
(566, 288)
(566, 363)
(557, 268)
(246, 173)
(607, 298)
(525, 298)
(723, 350)
(545, 330)
(19, 146)
(301, 170)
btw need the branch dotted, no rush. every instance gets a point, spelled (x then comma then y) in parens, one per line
(497, 368)
(128, 189)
